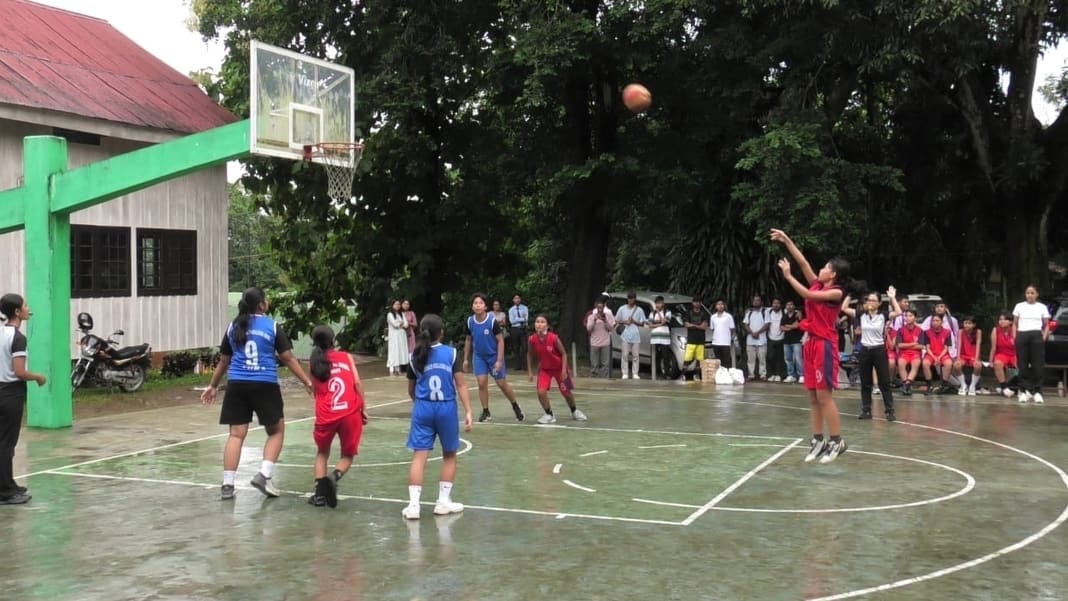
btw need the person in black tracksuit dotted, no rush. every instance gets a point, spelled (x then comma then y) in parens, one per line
(13, 378)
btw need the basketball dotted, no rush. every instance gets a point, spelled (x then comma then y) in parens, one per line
(637, 98)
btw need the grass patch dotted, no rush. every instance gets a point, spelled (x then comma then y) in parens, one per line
(154, 382)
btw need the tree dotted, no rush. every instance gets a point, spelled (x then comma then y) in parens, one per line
(252, 260)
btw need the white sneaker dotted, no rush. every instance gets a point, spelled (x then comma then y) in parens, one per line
(818, 448)
(636, 377)
(1007, 392)
(1037, 398)
(1024, 396)
(876, 391)
(578, 415)
(962, 391)
(801, 380)
(265, 485)
(548, 418)
(790, 380)
(971, 391)
(624, 377)
(443, 507)
(410, 512)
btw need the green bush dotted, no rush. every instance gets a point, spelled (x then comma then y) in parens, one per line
(179, 363)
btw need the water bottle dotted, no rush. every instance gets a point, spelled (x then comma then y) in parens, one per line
(1060, 388)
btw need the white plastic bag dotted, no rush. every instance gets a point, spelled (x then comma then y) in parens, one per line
(737, 376)
(723, 376)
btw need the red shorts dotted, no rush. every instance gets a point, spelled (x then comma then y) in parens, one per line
(966, 360)
(891, 357)
(349, 429)
(820, 363)
(1008, 360)
(908, 355)
(545, 380)
(930, 360)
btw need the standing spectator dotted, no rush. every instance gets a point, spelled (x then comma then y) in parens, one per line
(776, 343)
(660, 335)
(696, 327)
(1030, 326)
(630, 316)
(872, 354)
(518, 314)
(13, 377)
(722, 324)
(396, 339)
(412, 323)
(500, 317)
(791, 338)
(756, 325)
(599, 325)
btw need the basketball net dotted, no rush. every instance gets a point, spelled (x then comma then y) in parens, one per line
(339, 159)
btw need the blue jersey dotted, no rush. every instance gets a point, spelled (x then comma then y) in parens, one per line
(483, 336)
(435, 382)
(255, 360)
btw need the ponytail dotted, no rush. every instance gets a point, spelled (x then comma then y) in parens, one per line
(430, 328)
(322, 341)
(251, 299)
(841, 267)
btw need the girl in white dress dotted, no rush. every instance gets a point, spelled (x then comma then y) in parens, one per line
(396, 339)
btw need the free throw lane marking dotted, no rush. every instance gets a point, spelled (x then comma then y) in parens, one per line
(723, 495)
(665, 446)
(592, 453)
(578, 486)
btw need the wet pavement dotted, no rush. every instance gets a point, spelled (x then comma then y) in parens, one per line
(669, 491)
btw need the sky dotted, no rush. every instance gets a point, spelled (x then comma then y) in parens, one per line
(159, 26)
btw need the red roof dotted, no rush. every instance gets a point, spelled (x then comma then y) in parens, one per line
(62, 61)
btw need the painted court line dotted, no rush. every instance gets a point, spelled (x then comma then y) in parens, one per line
(301, 494)
(707, 506)
(578, 486)
(557, 468)
(355, 465)
(665, 446)
(651, 502)
(592, 453)
(177, 444)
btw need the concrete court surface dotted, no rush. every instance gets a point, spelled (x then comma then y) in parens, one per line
(669, 491)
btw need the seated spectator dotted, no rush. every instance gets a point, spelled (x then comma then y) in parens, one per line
(936, 344)
(909, 351)
(969, 349)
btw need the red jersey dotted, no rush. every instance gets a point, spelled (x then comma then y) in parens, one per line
(337, 397)
(1006, 344)
(891, 338)
(967, 344)
(937, 341)
(821, 317)
(549, 358)
(909, 335)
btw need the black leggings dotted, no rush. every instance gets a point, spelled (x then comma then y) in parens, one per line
(1030, 360)
(875, 357)
(11, 408)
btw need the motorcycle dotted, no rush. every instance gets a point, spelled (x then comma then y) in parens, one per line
(102, 361)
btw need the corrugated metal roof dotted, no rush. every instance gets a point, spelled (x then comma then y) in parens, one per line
(62, 61)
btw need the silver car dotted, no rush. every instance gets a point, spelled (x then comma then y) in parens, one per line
(677, 305)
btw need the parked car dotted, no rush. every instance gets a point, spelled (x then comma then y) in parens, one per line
(678, 305)
(922, 304)
(1057, 343)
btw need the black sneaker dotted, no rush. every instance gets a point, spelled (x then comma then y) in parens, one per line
(327, 489)
(906, 389)
(227, 492)
(518, 412)
(16, 499)
(890, 417)
(866, 414)
(316, 500)
(485, 417)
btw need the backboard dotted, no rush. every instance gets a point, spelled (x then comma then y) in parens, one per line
(297, 100)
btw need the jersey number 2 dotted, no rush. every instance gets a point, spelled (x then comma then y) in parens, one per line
(337, 389)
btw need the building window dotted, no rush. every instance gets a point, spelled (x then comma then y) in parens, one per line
(166, 262)
(99, 261)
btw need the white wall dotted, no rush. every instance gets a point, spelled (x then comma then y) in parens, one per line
(197, 201)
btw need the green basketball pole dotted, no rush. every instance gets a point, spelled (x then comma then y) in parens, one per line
(42, 206)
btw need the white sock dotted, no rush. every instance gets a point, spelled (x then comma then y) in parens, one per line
(414, 492)
(268, 469)
(228, 476)
(445, 491)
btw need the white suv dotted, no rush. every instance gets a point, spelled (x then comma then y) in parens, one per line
(677, 305)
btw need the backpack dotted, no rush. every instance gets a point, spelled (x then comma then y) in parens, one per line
(763, 315)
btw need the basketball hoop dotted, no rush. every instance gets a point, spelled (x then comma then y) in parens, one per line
(340, 160)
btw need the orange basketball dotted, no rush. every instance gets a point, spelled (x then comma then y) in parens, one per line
(637, 98)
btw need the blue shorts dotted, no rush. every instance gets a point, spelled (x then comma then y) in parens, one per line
(484, 366)
(431, 419)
